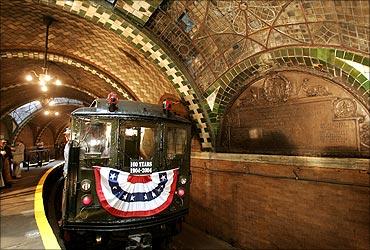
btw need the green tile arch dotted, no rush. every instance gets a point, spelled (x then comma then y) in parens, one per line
(328, 57)
(104, 16)
(70, 61)
(139, 11)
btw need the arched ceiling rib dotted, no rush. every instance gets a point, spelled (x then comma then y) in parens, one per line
(39, 121)
(71, 71)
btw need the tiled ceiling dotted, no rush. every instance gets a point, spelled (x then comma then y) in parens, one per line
(203, 51)
(210, 37)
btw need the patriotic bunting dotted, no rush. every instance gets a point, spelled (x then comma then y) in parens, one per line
(125, 195)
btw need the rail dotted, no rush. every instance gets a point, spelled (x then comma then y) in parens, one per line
(39, 157)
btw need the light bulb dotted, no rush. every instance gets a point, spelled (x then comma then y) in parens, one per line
(46, 112)
(56, 113)
(29, 78)
(58, 82)
(47, 78)
(44, 88)
(94, 142)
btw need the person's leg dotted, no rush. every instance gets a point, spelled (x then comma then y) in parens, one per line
(7, 174)
(17, 170)
(2, 183)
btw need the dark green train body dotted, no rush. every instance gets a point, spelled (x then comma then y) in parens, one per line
(134, 133)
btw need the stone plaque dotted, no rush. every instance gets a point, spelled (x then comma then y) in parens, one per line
(305, 117)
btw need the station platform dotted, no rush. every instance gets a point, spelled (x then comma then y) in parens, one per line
(24, 225)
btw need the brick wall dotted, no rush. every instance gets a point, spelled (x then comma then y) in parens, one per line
(47, 138)
(290, 205)
(26, 136)
(4, 132)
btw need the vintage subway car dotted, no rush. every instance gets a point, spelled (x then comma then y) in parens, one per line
(128, 175)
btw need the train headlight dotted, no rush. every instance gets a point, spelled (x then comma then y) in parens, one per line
(86, 200)
(85, 185)
(181, 192)
(183, 180)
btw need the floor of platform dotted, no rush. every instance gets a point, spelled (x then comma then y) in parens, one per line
(18, 225)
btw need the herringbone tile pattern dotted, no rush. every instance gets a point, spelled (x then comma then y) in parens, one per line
(101, 43)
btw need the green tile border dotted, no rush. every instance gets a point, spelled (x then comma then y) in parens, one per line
(310, 57)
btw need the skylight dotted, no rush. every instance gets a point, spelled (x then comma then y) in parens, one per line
(25, 110)
(20, 114)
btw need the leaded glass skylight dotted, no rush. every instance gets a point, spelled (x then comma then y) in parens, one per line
(20, 114)
(25, 110)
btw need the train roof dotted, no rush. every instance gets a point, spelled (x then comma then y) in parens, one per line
(100, 107)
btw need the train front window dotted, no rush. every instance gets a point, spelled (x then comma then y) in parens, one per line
(137, 142)
(94, 139)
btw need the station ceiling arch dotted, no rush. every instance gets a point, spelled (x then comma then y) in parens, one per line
(191, 48)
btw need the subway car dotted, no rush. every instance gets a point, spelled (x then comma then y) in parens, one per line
(128, 176)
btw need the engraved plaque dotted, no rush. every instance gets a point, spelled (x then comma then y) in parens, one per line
(306, 115)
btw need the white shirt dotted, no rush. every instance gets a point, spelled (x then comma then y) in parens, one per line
(66, 156)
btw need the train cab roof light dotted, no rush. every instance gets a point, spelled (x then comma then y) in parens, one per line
(112, 100)
(167, 105)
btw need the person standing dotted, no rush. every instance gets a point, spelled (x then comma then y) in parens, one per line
(7, 160)
(67, 137)
(18, 159)
(2, 182)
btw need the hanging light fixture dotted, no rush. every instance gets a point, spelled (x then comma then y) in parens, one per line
(44, 78)
(48, 106)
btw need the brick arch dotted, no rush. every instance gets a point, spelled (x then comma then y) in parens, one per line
(72, 62)
(109, 19)
(22, 125)
(44, 130)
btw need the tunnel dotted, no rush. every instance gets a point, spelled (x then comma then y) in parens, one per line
(276, 95)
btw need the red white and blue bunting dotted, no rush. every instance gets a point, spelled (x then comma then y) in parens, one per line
(125, 195)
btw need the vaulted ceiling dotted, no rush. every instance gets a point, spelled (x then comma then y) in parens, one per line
(204, 52)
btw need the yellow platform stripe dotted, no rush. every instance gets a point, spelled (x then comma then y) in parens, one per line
(47, 235)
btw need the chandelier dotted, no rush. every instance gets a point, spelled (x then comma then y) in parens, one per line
(44, 78)
(48, 106)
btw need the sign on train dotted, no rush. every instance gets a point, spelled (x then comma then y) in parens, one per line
(140, 167)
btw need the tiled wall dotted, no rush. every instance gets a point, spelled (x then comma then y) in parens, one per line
(326, 61)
